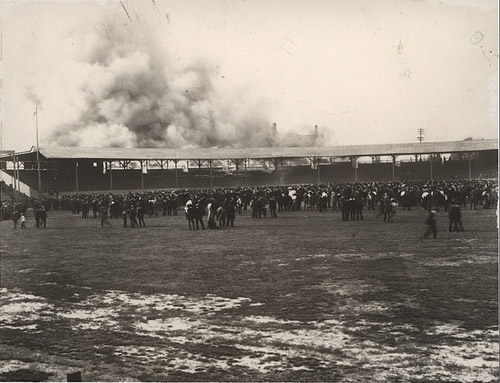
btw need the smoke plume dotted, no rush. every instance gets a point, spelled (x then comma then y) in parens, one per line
(114, 85)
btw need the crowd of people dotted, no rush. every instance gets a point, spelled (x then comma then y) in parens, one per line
(221, 206)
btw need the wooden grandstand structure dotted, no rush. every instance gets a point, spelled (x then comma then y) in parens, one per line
(73, 162)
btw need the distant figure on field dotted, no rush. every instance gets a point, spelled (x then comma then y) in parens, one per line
(388, 209)
(23, 221)
(15, 218)
(455, 217)
(431, 223)
(230, 214)
(272, 207)
(103, 212)
(141, 211)
(41, 217)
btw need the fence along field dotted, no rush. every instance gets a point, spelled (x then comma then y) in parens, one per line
(302, 297)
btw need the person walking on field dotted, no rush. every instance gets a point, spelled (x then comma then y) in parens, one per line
(431, 223)
(43, 216)
(15, 218)
(23, 221)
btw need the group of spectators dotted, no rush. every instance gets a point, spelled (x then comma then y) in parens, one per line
(221, 206)
(16, 211)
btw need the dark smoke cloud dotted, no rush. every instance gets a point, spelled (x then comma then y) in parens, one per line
(123, 90)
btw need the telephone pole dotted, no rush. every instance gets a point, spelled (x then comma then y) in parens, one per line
(38, 153)
(420, 138)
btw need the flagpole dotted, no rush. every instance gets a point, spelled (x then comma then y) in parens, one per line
(38, 154)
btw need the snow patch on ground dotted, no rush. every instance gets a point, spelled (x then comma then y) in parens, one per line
(57, 372)
(20, 309)
(161, 302)
(268, 319)
(166, 325)
(261, 343)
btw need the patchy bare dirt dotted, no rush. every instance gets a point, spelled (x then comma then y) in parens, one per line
(302, 297)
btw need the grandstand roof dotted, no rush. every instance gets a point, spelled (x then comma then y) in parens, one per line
(7, 153)
(260, 153)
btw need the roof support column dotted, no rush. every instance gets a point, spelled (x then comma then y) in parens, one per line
(200, 163)
(354, 162)
(246, 177)
(315, 165)
(211, 179)
(18, 175)
(76, 176)
(318, 160)
(431, 160)
(470, 165)
(282, 175)
(14, 176)
(176, 177)
(393, 156)
(142, 175)
(276, 170)
(331, 161)
(111, 175)
(161, 163)
(237, 162)
(39, 169)
(124, 164)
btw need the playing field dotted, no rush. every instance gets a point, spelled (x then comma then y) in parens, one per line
(302, 297)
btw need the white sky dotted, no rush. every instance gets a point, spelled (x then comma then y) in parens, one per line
(363, 71)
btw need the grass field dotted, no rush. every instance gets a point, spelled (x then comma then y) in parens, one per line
(303, 297)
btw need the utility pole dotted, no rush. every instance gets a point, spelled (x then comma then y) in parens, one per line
(420, 138)
(38, 153)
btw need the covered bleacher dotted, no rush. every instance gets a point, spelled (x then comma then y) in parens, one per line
(79, 169)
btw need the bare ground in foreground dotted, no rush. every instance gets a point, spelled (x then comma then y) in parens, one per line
(303, 297)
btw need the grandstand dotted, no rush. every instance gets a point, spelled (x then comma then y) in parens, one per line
(101, 169)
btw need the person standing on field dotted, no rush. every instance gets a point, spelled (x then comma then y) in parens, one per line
(431, 223)
(455, 217)
(140, 212)
(15, 218)
(103, 212)
(230, 213)
(272, 207)
(23, 221)
(43, 216)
